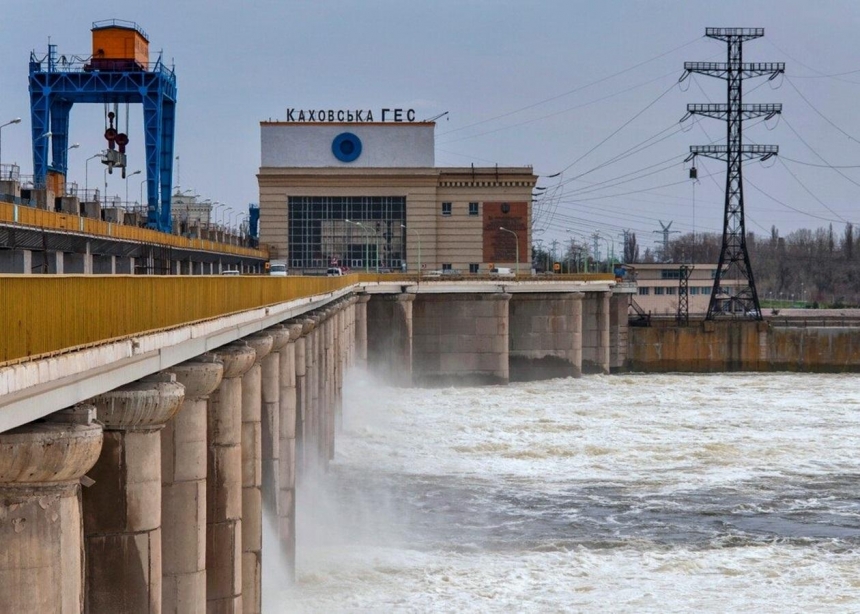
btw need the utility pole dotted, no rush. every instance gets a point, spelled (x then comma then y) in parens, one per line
(734, 261)
(554, 246)
(666, 232)
(683, 316)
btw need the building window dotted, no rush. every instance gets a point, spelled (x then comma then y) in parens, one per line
(447, 266)
(671, 291)
(694, 290)
(670, 274)
(446, 208)
(644, 291)
(659, 290)
(473, 208)
(706, 291)
(325, 230)
(473, 268)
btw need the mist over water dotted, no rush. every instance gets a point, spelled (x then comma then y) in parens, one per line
(631, 493)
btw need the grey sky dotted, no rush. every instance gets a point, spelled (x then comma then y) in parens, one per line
(485, 61)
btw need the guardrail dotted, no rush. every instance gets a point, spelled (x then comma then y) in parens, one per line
(41, 218)
(50, 314)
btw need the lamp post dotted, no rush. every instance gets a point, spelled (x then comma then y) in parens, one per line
(87, 173)
(517, 240)
(366, 244)
(137, 172)
(143, 183)
(17, 120)
(417, 234)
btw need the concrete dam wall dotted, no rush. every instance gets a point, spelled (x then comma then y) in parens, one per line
(815, 346)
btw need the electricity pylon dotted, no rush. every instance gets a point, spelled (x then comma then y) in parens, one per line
(740, 298)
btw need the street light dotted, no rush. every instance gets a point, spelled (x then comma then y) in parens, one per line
(87, 172)
(137, 172)
(366, 245)
(17, 120)
(73, 146)
(517, 239)
(419, 246)
(142, 183)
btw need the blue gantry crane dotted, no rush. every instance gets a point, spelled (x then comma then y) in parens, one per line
(118, 72)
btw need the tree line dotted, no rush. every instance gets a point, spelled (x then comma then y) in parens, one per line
(818, 267)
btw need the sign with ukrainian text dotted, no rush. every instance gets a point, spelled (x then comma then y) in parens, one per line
(358, 116)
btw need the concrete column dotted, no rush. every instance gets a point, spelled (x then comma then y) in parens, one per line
(224, 483)
(361, 331)
(546, 335)
(271, 417)
(18, 261)
(389, 345)
(302, 391)
(183, 489)
(287, 455)
(461, 338)
(41, 542)
(252, 479)
(619, 305)
(122, 510)
(311, 425)
(595, 332)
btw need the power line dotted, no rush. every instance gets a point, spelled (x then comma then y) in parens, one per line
(573, 91)
(812, 106)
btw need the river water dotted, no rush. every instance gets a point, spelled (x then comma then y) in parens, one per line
(626, 493)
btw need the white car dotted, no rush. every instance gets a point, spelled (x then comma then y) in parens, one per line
(278, 270)
(230, 272)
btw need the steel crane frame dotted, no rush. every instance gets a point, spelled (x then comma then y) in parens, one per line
(55, 87)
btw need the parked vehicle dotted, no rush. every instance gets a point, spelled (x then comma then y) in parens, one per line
(334, 272)
(230, 272)
(278, 268)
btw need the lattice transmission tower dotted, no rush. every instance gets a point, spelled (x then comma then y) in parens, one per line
(739, 298)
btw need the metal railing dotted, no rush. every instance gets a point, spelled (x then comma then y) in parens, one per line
(50, 314)
(41, 218)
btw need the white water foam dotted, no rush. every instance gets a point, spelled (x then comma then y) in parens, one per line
(628, 493)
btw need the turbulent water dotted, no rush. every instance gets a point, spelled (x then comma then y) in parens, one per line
(631, 493)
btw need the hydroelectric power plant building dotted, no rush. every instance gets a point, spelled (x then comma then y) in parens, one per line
(367, 195)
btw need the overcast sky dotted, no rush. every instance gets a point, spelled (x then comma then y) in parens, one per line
(558, 85)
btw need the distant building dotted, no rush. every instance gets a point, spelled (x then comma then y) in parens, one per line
(187, 209)
(658, 286)
(368, 194)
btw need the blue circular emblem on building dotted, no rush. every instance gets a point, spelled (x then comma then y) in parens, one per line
(346, 147)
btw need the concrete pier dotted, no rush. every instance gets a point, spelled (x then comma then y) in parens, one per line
(287, 456)
(224, 483)
(183, 489)
(361, 331)
(122, 510)
(595, 333)
(460, 338)
(389, 348)
(546, 336)
(302, 390)
(271, 417)
(41, 542)
(252, 480)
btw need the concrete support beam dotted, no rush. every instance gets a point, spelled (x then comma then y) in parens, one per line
(271, 417)
(287, 453)
(122, 510)
(252, 479)
(389, 348)
(619, 305)
(595, 332)
(183, 489)
(41, 543)
(16, 261)
(460, 338)
(224, 483)
(546, 336)
(361, 331)
(303, 351)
